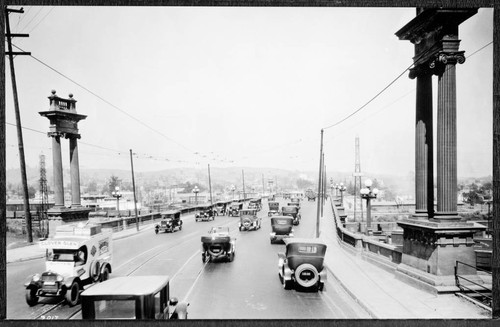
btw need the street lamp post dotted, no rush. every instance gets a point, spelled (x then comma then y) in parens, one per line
(195, 191)
(368, 193)
(342, 189)
(233, 188)
(337, 189)
(117, 194)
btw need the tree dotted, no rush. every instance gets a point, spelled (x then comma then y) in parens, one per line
(31, 192)
(92, 187)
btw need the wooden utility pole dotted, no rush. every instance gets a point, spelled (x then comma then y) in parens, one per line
(495, 262)
(210, 186)
(3, 183)
(10, 53)
(319, 183)
(263, 187)
(133, 186)
(243, 176)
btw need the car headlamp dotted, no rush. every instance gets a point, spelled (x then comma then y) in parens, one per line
(36, 277)
(59, 278)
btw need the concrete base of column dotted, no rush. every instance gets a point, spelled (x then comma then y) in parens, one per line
(62, 216)
(431, 250)
(420, 216)
(443, 217)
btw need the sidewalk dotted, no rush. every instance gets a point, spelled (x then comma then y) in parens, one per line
(380, 293)
(34, 251)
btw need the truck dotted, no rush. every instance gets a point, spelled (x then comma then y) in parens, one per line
(76, 256)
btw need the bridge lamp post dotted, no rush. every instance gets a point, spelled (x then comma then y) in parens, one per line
(368, 193)
(342, 189)
(117, 194)
(196, 190)
(337, 187)
(233, 188)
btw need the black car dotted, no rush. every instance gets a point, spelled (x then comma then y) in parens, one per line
(171, 220)
(205, 213)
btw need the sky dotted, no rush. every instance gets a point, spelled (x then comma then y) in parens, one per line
(245, 87)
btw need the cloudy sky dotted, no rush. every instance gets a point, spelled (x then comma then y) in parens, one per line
(251, 87)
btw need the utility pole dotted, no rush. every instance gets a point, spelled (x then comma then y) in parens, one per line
(44, 199)
(495, 262)
(243, 176)
(133, 186)
(263, 187)
(319, 184)
(210, 186)
(10, 53)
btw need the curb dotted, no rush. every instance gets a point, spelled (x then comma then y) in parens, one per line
(351, 293)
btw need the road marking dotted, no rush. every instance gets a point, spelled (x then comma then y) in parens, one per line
(152, 249)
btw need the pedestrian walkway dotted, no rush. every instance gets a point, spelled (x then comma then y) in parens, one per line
(379, 291)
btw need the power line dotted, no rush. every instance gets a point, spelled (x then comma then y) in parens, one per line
(37, 13)
(107, 102)
(41, 20)
(392, 82)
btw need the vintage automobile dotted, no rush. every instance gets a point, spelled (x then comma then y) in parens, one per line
(77, 255)
(249, 220)
(293, 212)
(294, 203)
(255, 204)
(205, 213)
(170, 221)
(234, 209)
(218, 244)
(281, 228)
(220, 208)
(132, 297)
(302, 264)
(274, 208)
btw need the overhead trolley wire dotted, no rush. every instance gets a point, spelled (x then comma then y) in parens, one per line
(106, 101)
(392, 82)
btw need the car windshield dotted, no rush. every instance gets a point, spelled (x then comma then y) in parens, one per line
(219, 230)
(62, 255)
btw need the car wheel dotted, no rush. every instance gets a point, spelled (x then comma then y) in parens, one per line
(280, 277)
(73, 294)
(104, 274)
(180, 227)
(203, 257)
(287, 284)
(306, 275)
(231, 257)
(156, 231)
(31, 297)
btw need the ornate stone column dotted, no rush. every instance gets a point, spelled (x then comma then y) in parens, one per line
(431, 247)
(57, 170)
(424, 176)
(64, 123)
(75, 172)
(445, 63)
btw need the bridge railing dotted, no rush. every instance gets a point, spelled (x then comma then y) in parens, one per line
(372, 248)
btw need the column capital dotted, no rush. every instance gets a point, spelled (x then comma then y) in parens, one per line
(443, 58)
(63, 135)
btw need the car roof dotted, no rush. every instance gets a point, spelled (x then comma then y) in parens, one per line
(128, 285)
(170, 212)
(303, 240)
(281, 217)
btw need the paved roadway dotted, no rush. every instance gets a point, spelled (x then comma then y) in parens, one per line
(247, 288)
